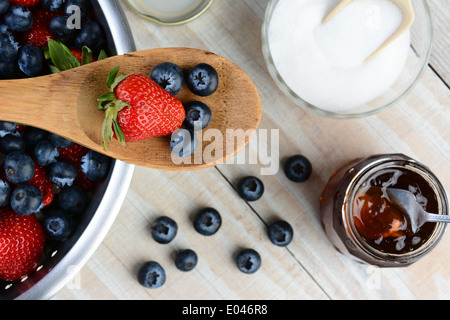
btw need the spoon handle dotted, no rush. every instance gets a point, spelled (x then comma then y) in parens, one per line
(438, 218)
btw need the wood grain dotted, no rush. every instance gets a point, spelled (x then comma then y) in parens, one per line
(309, 268)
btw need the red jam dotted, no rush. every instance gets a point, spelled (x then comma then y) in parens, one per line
(383, 225)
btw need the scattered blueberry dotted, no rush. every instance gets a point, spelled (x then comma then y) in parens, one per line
(90, 35)
(12, 142)
(73, 199)
(5, 193)
(203, 80)
(207, 221)
(45, 153)
(53, 5)
(250, 188)
(84, 6)
(248, 261)
(169, 76)
(186, 260)
(19, 167)
(198, 115)
(183, 142)
(164, 230)
(281, 233)
(58, 225)
(151, 275)
(7, 128)
(298, 168)
(9, 48)
(4, 6)
(95, 165)
(58, 26)
(59, 141)
(62, 173)
(26, 199)
(18, 18)
(31, 60)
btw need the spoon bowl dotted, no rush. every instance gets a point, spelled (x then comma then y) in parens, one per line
(407, 202)
(66, 104)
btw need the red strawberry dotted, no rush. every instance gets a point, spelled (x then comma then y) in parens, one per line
(22, 242)
(41, 180)
(39, 33)
(143, 109)
(26, 3)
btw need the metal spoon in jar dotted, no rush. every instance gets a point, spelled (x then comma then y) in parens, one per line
(405, 200)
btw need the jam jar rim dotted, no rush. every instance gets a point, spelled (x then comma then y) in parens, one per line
(364, 172)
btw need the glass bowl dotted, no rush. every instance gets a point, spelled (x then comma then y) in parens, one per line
(417, 60)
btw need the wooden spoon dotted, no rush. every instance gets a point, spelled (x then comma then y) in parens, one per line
(408, 19)
(66, 104)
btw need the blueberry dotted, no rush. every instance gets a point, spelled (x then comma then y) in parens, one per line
(198, 115)
(59, 141)
(90, 35)
(45, 153)
(5, 193)
(33, 135)
(73, 199)
(7, 128)
(186, 260)
(95, 165)
(250, 188)
(248, 261)
(207, 221)
(19, 167)
(12, 142)
(9, 48)
(58, 225)
(26, 199)
(151, 275)
(183, 142)
(298, 168)
(8, 69)
(31, 60)
(84, 6)
(164, 230)
(53, 5)
(203, 80)
(18, 18)
(58, 27)
(169, 76)
(281, 233)
(62, 173)
(4, 6)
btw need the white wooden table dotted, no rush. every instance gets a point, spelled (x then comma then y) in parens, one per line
(309, 268)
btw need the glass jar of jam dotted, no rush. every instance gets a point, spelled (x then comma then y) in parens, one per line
(362, 223)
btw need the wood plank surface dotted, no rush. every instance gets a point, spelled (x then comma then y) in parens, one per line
(309, 268)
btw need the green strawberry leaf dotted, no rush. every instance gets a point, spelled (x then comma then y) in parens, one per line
(86, 55)
(102, 55)
(61, 56)
(112, 77)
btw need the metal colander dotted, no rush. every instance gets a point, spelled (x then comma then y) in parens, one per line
(62, 261)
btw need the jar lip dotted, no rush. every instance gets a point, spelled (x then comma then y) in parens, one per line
(384, 162)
